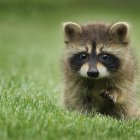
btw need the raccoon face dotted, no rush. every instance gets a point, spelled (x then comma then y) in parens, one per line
(96, 50)
(94, 65)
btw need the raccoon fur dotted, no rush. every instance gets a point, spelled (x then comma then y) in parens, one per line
(100, 70)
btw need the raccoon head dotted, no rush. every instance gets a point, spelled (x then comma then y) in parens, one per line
(96, 50)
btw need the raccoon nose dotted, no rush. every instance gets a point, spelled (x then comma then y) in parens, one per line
(93, 73)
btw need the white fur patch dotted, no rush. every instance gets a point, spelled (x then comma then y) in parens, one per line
(84, 69)
(102, 70)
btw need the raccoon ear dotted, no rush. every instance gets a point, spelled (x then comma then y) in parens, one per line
(120, 32)
(71, 31)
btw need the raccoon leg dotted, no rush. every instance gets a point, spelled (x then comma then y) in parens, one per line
(109, 95)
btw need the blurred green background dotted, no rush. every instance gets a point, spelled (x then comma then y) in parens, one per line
(31, 30)
(31, 46)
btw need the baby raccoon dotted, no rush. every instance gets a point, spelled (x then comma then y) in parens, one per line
(100, 72)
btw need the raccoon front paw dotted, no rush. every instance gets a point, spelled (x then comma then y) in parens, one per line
(107, 95)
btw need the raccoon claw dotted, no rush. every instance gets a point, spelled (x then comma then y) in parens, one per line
(107, 95)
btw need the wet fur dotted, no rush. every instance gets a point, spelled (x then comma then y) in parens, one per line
(83, 94)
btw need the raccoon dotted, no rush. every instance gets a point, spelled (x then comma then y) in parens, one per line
(100, 70)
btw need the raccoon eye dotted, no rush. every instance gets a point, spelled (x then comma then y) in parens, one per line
(83, 56)
(105, 56)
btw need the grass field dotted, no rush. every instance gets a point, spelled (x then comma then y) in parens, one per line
(31, 45)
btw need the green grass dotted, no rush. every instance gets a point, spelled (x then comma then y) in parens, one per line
(31, 45)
